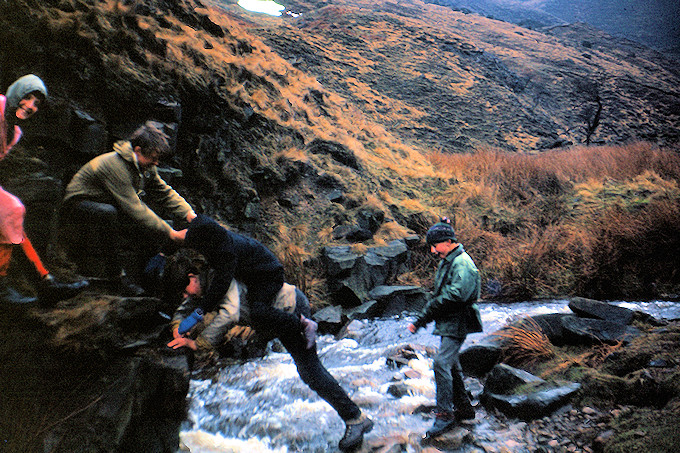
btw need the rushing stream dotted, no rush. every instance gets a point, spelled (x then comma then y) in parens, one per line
(263, 406)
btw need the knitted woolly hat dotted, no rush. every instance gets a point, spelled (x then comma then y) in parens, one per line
(22, 87)
(440, 232)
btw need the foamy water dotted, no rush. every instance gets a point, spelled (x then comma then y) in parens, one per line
(263, 406)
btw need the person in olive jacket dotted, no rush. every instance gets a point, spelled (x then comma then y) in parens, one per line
(452, 305)
(118, 193)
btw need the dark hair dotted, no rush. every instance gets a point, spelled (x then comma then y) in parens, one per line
(150, 139)
(176, 273)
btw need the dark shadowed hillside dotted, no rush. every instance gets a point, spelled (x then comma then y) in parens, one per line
(653, 23)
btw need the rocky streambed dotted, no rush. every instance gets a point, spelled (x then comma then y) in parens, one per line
(262, 405)
(93, 374)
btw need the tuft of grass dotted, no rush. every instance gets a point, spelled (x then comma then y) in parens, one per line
(359, 248)
(525, 343)
(290, 247)
(392, 230)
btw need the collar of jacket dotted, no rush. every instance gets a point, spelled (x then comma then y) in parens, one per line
(124, 149)
(454, 253)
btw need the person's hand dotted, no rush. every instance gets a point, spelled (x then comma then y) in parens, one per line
(191, 216)
(175, 333)
(412, 328)
(309, 329)
(182, 342)
(178, 236)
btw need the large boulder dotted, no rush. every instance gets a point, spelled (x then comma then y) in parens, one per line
(567, 329)
(367, 310)
(351, 276)
(330, 319)
(552, 326)
(533, 405)
(594, 331)
(480, 358)
(504, 379)
(395, 300)
(589, 308)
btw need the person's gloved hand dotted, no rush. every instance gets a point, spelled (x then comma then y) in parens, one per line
(190, 321)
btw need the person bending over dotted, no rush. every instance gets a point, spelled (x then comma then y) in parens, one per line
(246, 284)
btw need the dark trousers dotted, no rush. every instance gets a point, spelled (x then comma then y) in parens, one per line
(267, 320)
(448, 376)
(313, 373)
(102, 241)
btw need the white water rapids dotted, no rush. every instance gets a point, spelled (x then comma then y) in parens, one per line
(263, 406)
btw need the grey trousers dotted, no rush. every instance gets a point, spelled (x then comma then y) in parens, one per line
(448, 376)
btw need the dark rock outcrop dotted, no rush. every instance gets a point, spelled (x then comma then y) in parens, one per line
(352, 276)
(129, 387)
(141, 409)
(335, 150)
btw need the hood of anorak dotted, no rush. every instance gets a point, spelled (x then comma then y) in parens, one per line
(124, 149)
(22, 87)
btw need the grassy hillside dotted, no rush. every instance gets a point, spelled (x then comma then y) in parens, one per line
(278, 113)
(446, 80)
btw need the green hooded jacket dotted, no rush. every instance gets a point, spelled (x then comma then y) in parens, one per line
(116, 179)
(452, 304)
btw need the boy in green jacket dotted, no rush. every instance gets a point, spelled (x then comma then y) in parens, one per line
(452, 305)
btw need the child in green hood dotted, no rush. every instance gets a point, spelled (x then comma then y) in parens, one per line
(21, 102)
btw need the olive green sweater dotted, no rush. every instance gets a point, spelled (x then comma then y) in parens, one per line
(116, 179)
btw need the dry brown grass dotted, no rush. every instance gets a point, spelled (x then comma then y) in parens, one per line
(525, 343)
(290, 248)
(591, 358)
(597, 221)
(359, 248)
(392, 230)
